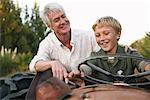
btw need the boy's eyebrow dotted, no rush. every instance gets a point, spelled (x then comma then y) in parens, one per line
(97, 33)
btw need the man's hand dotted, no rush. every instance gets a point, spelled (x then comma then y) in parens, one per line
(58, 70)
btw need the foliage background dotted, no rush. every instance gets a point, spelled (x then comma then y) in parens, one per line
(20, 36)
(22, 33)
(143, 45)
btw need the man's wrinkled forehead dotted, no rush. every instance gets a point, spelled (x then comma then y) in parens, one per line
(51, 13)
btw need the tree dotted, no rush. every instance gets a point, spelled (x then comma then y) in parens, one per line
(38, 28)
(10, 24)
(143, 45)
(26, 34)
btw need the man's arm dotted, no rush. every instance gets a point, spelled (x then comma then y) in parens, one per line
(41, 65)
(58, 69)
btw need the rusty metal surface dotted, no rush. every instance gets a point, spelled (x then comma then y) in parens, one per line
(110, 92)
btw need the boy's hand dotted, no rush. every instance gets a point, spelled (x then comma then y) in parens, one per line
(147, 68)
(74, 74)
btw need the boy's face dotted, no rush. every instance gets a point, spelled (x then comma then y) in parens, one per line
(106, 38)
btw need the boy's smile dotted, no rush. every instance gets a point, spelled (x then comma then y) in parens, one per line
(106, 38)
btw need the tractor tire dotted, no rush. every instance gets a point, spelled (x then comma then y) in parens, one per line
(16, 87)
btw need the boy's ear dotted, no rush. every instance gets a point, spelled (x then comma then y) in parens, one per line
(118, 37)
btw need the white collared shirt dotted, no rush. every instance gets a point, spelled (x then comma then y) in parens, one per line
(82, 42)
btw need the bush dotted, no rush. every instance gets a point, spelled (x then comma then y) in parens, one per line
(12, 62)
(8, 65)
(23, 61)
(143, 45)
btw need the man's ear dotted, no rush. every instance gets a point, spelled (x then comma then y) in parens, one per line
(49, 25)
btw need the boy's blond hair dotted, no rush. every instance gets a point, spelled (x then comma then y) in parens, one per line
(108, 21)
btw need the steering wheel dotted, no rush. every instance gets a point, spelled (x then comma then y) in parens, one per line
(117, 77)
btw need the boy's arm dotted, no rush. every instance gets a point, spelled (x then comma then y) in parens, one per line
(85, 69)
(144, 66)
(140, 64)
(147, 68)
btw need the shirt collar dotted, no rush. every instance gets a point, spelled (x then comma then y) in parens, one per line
(53, 36)
(120, 50)
(72, 42)
(55, 39)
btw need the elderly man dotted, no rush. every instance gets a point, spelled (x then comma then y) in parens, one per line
(61, 51)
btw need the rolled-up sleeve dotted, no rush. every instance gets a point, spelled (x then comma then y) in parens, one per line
(42, 54)
(86, 69)
(33, 62)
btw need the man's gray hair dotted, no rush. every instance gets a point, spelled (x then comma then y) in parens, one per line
(50, 7)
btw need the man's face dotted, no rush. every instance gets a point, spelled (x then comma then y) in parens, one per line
(59, 22)
(106, 38)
